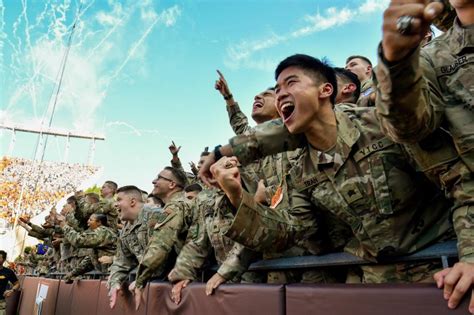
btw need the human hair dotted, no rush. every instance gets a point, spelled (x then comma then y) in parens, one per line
(360, 57)
(156, 200)
(205, 152)
(102, 218)
(317, 69)
(349, 77)
(271, 88)
(73, 199)
(112, 184)
(93, 196)
(193, 187)
(179, 176)
(3, 254)
(131, 190)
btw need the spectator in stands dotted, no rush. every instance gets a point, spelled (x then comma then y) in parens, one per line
(7, 276)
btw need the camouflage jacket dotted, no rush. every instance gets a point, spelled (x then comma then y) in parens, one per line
(238, 121)
(133, 240)
(169, 233)
(104, 206)
(102, 240)
(425, 101)
(368, 182)
(206, 233)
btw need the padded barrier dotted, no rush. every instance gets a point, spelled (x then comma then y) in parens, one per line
(29, 291)
(89, 297)
(228, 299)
(12, 303)
(355, 299)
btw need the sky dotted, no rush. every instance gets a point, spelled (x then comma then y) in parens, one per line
(142, 73)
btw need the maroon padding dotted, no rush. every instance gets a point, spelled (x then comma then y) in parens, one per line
(125, 303)
(28, 295)
(410, 299)
(29, 291)
(64, 301)
(84, 297)
(12, 303)
(228, 299)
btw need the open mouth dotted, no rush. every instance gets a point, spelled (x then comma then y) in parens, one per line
(287, 110)
(257, 105)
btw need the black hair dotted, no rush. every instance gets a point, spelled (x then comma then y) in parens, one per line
(319, 70)
(348, 76)
(193, 187)
(102, 218)
(3, 254)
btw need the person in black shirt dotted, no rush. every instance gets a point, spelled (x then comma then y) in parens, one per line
(6, 276)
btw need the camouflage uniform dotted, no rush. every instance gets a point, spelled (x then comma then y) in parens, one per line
(133, 240)
(214, 217)
(238, 121)
(104, 206)
(272, 170)
(102, 240)
(426, 102)
(367, 181)
(169, 234)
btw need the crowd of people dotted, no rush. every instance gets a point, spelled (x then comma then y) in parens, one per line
(374, 161)
(39, 186)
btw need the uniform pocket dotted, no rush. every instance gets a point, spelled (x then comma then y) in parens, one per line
(380, 184)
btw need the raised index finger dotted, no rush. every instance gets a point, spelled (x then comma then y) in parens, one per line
(220, 74)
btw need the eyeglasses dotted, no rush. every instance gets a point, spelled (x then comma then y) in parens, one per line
(168, 180)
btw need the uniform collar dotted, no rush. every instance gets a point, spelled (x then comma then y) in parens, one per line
(460, 37)
(347, 136)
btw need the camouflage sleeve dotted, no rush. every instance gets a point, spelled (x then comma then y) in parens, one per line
(39, 232)
(176, 163)
(85, 239)
(408, 101)
(463, 221)
(261, 228)
(237, 262)
(193, 255)
(268, 138)
(164, 237)
(123, 263)
(238, 120)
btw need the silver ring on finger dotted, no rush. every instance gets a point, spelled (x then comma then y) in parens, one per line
(228, 164)
(404, 24)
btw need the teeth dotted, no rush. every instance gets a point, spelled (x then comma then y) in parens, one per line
(286, 105)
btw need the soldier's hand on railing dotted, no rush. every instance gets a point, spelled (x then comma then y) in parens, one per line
(213, 283)
(137, 293)
(456, 282)
(113, 293)
(177, 288)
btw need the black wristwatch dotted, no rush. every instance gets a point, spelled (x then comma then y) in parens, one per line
(217, 152)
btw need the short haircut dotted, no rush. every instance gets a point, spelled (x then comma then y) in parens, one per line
(348, 76)
(317, 69)
(205, 152)
(179, 176)
(156, 200)
(112, 184)
(72, 199)
(3, 254)
(360, 57)
(131, 190)
(93, 195)
(102, 218)
(193, 187)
